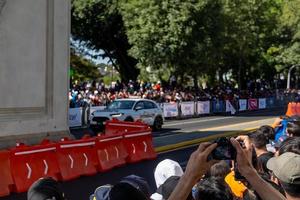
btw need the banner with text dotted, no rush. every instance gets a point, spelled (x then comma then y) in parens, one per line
(187, 108)
(170, 109)
(203, 107)
(75, 117)
(252, 104)
(230, 108)
(218, 106)
(242, 104)
(262, 103)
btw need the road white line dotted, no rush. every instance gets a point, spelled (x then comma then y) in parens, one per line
(195, 122)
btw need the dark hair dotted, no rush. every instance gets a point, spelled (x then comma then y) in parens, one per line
(220, 170)
(45, 188)
(291, 144)
(123, 191)
(213, 188)
(259, 139)
(291, 189)
(268, 131)
(293, 128)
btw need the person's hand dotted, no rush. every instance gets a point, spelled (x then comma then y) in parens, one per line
(244, 155)
(277, 122)
(198, 163)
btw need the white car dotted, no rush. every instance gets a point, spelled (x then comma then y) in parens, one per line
(129, 110)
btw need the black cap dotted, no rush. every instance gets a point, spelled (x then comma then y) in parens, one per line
(45, 188)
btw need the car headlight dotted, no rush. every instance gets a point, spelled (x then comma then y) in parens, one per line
(117, 115)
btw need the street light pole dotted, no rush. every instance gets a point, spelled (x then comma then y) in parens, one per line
(289, 76)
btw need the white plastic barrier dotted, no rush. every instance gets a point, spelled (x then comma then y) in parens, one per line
(170, 109)
(243, 104)
(187, 108)
(262, 103)
(230, 108)
(203, 107)
(75, 115)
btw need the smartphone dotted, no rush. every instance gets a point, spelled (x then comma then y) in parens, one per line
(224, 150)
(237, 175)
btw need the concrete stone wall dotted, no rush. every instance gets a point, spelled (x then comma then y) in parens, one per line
(34, 64)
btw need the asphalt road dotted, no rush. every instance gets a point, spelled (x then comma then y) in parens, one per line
(174, 131)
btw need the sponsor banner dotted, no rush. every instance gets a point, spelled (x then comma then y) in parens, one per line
(230, 108)
(75, 117)
(218, 106)
(94, 108)
(170, 110)
(252, 104)
(242, 104)
(262, 103)
(203, 107)
(270, 102)
(187, 108)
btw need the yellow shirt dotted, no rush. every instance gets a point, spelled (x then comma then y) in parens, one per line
(237, 187)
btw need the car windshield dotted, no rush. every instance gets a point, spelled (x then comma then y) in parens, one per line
(126, 105)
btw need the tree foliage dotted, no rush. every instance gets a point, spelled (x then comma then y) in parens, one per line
(246, 39)
(99, 25)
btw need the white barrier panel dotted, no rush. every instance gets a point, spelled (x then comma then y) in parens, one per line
(230, 108)
(94, 108)
(187, 108)
(243, 104)
(203, 107)
(170, 110)
(262, 103)
(75, 117)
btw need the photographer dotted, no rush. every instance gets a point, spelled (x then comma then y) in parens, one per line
(198, 165)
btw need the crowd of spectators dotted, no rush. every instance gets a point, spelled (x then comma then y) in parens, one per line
(97, 94)
(262, 168)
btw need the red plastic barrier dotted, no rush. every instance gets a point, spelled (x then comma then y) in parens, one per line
(29, 163)
(139, 146)
(111, 151)
(298, 109)
(6, 182)
(115, 126)
(289, 111)
(294, 108)
(77, 158)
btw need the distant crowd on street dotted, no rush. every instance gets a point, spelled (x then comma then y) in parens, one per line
(97, 94)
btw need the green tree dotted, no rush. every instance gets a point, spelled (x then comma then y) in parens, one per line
(99, 25)
(176, 35)
(82, 69)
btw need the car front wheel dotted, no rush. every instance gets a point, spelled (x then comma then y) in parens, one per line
(158, 122)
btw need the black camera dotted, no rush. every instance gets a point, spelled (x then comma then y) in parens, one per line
(224, 150)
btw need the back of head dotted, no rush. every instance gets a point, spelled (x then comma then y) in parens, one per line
(259, 139)
(165, 169)
(291, 144)
(130, 187)
(268, 131)
(45, 188)
(293, 129)
(213, 188)
(286, 168)
(166, 189)
(220, 170)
